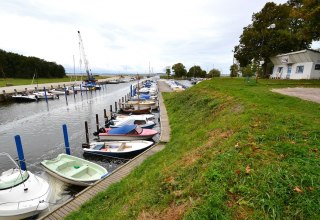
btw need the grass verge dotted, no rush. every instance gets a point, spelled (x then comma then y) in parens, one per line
(237, 151)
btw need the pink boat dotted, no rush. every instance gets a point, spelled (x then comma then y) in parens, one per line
(126, 133)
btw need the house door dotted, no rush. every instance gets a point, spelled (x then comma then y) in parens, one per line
(289, 71)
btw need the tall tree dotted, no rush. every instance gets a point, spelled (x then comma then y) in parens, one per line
(259, 41)
(234, 70)
(179, 70)
(196, 71)
(168, 71)
(214, 73)
(307, 12)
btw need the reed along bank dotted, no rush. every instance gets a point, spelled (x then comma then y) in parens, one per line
(237, 151)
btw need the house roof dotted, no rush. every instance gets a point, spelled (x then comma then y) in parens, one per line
(300, 56)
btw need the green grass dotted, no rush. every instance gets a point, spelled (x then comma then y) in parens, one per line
(237, 151)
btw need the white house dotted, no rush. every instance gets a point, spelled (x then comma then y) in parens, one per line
(303, 64)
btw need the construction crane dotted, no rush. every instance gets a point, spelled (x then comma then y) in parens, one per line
(86, 64)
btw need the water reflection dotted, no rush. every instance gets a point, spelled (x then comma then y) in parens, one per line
(39, 125)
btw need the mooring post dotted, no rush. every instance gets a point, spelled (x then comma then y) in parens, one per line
(65, 93)
(115, 106)
(131, 90)
(81, 89)
(87, 132)
(4, 94)
(111, 110)
(119, 103)
(66, 138)
(22, 162)
(45, 93)
(97, 122)
(105, 117)
(122, 99)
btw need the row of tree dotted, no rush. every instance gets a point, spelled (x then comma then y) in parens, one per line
(18, 66)
(274, 30)
(179, 71)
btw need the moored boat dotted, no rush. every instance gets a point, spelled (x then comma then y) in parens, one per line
(22, 194)
(121, 149)
(142, 121)
(43, 95)
(135, 110)
(74, 170)
(24, 97)
(127, 132)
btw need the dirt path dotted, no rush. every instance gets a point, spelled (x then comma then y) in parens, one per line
(310, 94)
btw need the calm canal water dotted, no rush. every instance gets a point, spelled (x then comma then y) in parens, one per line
(39, 125)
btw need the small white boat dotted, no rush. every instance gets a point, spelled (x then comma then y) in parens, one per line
(148, 103)
(22, 194)
(74, 170)
(24, 98)
(43, 95)
(121, 149)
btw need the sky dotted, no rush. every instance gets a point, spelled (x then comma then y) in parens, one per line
(127, 36)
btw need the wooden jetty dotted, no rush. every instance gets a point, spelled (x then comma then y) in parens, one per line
(74, 203)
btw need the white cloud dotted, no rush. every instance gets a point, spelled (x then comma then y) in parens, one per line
(126, 35)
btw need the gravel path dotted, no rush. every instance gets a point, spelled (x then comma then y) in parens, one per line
(310, 94)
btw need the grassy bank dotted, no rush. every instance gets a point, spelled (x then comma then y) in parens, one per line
(237, 151)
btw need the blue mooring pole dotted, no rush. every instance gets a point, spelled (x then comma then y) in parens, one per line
(45, 93)
(20, 152)
(66, 139)
(131, 90)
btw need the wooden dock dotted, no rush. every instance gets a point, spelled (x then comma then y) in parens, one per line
(74, 203)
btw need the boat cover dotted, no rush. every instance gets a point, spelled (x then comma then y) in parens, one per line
(126, 129)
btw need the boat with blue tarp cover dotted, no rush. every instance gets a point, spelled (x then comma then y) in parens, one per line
(127, 132)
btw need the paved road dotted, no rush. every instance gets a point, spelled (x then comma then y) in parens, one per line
(310, 94)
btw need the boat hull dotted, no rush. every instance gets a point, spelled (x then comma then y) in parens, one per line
(116, 149)
(74, 170)
(25, 200)
(124, 137)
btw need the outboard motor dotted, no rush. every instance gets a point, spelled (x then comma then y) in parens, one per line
(101, 130)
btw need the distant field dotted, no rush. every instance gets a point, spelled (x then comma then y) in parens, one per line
(19, 81)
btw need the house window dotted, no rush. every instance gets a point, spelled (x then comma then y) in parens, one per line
(317, 67)
(299, 69)
(280, 69)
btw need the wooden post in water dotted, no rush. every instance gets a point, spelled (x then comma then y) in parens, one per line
(4, 94)
(115, 106)
(111, 110)
(87, 132)
(97, 122)
(105, 117)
